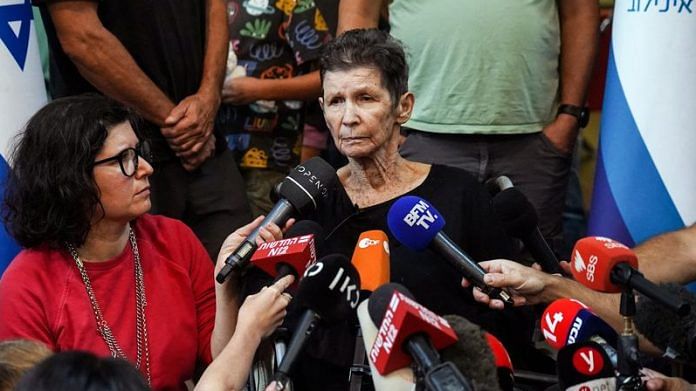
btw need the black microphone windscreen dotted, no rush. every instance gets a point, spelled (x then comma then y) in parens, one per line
(380, 298)
(664, 328)
(308, 184)
(583, 362)
(308, 227)
(514, 211)
(330, 287)
(471, 354)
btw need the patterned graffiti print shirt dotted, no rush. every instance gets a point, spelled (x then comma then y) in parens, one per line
(272, 39)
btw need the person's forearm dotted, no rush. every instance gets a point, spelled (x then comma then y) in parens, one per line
(669, 257)
(304, 87)
(230, 370)
(227, 303)
(216, 48)
(358, 14)
(579, 39)
(105, 63)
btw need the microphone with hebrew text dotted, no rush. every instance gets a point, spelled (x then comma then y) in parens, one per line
(293, 254)
(410, 332)
(300, 193)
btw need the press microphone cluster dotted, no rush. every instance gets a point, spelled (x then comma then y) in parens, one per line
(300, 193)
(410, 332)
(606, 265)
(418, 225)
(328, 292)
(519, 219)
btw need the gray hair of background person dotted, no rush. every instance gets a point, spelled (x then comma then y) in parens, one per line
(370, 48)
(51, 197)
(16, 358)
(68, 371)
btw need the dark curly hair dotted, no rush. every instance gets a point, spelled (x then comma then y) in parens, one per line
(78, 370)
(50, 195)
(368, 48)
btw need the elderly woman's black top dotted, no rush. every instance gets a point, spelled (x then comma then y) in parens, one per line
(464, 204)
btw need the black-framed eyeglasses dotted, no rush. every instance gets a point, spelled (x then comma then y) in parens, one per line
(128, 158)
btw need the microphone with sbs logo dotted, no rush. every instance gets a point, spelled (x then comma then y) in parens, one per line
(605, 265)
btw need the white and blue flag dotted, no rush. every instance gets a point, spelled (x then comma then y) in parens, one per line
(645, 182)
(22, 90)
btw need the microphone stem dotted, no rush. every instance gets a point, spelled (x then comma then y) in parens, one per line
(423, 352)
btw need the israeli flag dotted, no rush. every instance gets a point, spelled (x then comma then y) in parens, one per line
(22, 90)
(645, 182)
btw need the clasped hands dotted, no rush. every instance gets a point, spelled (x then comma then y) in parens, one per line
(188, 129)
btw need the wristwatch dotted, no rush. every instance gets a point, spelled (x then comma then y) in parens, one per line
(581, 113)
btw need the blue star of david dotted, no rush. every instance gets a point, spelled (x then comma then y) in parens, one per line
(16, 44)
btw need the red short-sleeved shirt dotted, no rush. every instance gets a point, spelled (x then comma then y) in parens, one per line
(43, 298)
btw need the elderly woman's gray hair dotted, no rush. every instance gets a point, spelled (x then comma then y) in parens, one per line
(368, 48)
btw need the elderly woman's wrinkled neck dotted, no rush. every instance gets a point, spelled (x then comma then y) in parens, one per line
(372, 181)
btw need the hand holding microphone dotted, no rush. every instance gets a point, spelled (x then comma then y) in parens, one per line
(525, 285)
(300, 193)
(418, 225)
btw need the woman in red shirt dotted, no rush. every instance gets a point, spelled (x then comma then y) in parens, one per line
(100, 274)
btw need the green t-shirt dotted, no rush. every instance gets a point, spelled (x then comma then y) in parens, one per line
(480, 66)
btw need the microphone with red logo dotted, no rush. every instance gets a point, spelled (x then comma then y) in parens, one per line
(401, 379)
(568, 321)
(606, 265)
(410, 332)
(585, 366)
(329, 291)
(519, 219)
(371, 259)
(479, 355)
(503, 363)
(418, 225)
(293, 254)
(300, 194)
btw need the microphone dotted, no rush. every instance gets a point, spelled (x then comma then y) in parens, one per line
(673, 334)
(585, 366)
(568, 321)
(606, 265)
(503, 363)
(371, 259)
(418, 225)
(495, 185)
(519, 219)
(399, 380)
(472, 354)
(300, 193)
(292, 255)
(329, 291)
(410, 332)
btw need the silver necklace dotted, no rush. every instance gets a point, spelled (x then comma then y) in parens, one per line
(140, 303)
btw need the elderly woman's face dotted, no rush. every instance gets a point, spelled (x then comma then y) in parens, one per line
(123, 198)
(359, 112)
